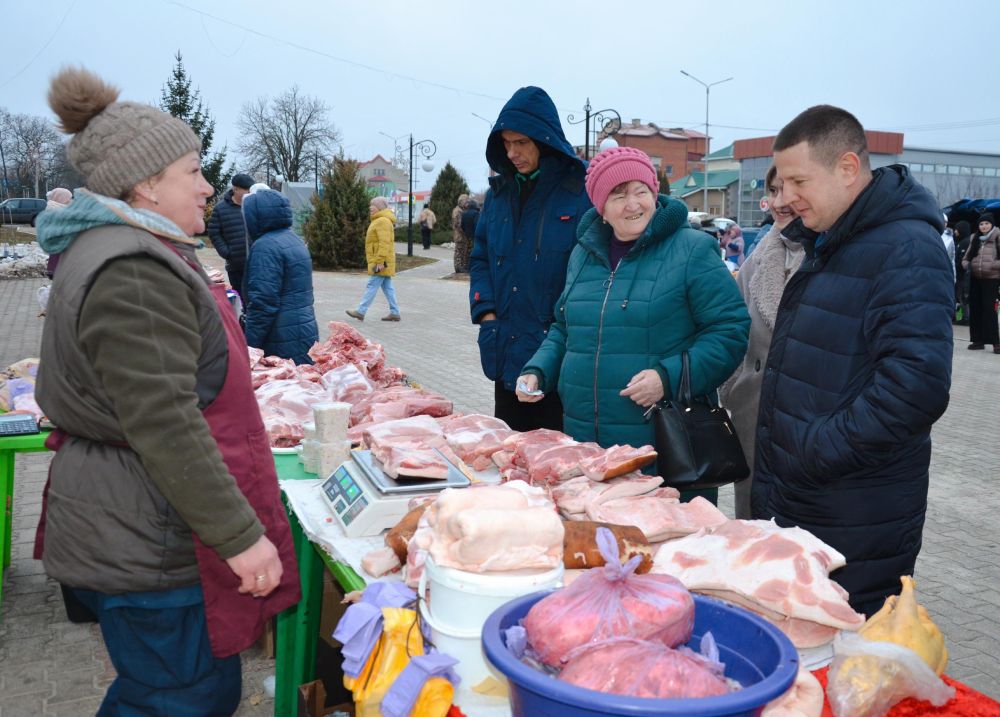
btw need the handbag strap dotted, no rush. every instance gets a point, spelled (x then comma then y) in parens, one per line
(684, 389)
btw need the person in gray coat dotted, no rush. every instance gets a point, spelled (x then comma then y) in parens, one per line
(761, 280)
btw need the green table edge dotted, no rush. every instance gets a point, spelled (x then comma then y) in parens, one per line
(297, 629)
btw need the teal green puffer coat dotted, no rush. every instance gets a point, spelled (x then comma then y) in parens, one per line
(669, 294)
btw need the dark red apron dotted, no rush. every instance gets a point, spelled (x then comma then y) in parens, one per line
(235, 620)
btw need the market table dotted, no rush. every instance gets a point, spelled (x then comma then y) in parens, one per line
(298, 626)
(10, 446)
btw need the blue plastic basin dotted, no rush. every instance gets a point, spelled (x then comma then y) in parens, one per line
(756, 654)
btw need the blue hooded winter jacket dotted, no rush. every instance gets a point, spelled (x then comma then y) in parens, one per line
(859, 370)
(279, 314)
(519, 257)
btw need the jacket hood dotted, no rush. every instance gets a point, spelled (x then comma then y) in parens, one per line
(891, 196)
(385, 214)
(266, 211)
(531, 112)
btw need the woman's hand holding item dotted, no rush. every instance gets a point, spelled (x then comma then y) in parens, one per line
(258, 568)
(527, 388)
(645, 388)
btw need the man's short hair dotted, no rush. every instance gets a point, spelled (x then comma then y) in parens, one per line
(830, 132)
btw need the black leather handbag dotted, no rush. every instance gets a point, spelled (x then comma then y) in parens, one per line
(696, 442)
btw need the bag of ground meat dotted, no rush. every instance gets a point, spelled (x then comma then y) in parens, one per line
(638, 668)
(610, 601)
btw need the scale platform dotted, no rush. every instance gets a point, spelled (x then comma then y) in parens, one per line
(365, 501)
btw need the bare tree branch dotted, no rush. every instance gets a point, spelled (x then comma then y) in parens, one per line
(286, 134)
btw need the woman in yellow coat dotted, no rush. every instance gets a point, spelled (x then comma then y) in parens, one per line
(380, 251)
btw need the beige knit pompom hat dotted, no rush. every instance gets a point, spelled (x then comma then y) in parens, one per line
(115, 145)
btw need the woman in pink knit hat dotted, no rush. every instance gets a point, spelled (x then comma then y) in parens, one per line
(642, 288)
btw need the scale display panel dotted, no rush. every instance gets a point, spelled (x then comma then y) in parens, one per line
(366, 501)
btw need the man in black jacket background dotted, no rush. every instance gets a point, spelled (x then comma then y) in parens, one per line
(860, 361)
(228, 232)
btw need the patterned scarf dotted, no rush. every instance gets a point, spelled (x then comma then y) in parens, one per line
(58, 229)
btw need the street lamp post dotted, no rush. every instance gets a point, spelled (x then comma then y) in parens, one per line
(707, 141)
(427, 148)
(607, 119)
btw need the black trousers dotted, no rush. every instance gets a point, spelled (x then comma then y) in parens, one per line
(425, 236)
(983, 328)
(236, 280)
(547, 413)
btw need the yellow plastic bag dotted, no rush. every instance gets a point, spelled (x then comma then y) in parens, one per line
(435, 698)
(400, 640)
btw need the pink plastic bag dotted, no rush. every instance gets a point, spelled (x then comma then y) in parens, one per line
(638, 668)
(607, 602)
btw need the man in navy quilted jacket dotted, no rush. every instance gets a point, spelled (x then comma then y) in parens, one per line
(228, 233)
(860, 362)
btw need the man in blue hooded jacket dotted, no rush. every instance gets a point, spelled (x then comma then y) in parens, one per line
(860, 362)
(523, 239)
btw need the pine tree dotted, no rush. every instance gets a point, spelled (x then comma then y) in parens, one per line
(444, 195)
(178, 99)
(335, 233)
(664, 184)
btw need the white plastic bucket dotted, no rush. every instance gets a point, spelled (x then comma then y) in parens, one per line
(461, 601)
(466, 646)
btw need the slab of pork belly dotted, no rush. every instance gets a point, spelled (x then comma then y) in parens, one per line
(783, 570)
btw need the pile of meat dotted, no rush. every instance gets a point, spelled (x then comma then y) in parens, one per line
(615, 631)
(347, 368)
(779, 573)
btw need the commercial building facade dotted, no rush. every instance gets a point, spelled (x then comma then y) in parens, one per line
(949, 175)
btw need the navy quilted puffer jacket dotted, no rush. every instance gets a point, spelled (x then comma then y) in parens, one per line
(859, 370)
(279, 316)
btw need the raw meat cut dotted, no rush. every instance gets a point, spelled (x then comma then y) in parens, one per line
(493, 528)
(414, 462)
(610, 601)
(285, 405)
(272, 368)
(380, 562)
(658, 514)
(573, 495)
(772, 570)
(580, 550)
(475, 437)
(347, 383)
(399, 402)
(346, 345)
(547, 464)
(617, 461)
(803, 699)
(638, 668)
(493, 540)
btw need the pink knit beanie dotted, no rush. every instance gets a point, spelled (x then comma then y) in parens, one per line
(614, 166)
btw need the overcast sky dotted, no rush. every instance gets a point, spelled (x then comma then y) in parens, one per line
(909, 66)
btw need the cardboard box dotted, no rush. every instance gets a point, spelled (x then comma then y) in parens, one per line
(332, 608)
(312, 702)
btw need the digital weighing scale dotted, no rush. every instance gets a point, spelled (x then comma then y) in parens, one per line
(366, 501)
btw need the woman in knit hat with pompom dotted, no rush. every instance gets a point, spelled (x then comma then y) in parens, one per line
(642, 287)
(161, 514)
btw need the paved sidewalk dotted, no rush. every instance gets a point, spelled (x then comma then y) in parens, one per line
(51, 667)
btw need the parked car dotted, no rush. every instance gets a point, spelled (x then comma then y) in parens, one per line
(20, 211)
